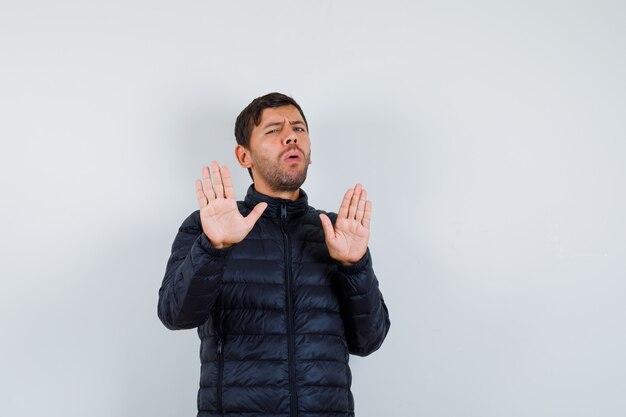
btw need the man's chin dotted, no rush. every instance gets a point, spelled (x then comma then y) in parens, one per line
(283, 180)
(289, 183)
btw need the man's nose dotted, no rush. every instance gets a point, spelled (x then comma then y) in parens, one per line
(290, 137)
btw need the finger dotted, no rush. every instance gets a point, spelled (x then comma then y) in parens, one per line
(202, 201)
(218, 186)
(367, 215)
(228, 183)
(345, 203)
(360, 209)
(327, 225)
(354, 202)
(206, 182)
(254, 215)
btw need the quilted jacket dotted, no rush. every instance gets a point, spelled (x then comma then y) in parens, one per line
(276, 316)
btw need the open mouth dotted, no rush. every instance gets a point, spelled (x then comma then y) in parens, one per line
(293, 156)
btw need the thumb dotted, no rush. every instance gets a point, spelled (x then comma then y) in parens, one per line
(327, 226)
(255, 214)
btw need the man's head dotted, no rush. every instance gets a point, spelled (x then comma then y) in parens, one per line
(273, 142)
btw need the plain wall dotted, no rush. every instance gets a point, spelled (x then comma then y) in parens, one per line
(490, 136)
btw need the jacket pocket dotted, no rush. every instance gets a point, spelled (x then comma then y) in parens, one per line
(220, 374)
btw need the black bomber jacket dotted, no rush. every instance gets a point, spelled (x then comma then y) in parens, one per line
(276, 316)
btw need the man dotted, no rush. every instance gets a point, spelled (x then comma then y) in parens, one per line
(280, 292)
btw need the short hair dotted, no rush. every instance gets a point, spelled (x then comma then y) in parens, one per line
(251, 116)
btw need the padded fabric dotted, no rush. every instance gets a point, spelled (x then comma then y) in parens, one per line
(276, 316)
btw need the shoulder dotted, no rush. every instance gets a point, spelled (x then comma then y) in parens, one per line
(316, 212)
(191, 223)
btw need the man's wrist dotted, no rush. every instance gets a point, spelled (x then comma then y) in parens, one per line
(355, 266)
(218, 245)
(209, 247)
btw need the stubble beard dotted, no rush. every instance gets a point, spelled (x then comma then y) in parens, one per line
(282, 179)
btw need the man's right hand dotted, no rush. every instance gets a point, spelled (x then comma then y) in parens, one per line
(221, 221)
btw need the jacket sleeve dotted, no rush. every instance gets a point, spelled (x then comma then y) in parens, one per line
(192, 276)
(365, 314)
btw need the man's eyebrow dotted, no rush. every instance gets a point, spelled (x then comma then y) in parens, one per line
(270, 124)
(280, 123)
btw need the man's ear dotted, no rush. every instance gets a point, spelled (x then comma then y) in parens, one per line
(243, 156)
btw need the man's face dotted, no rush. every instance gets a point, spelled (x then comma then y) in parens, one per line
(280, 149)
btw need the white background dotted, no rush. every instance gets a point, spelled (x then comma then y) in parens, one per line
(490, 136)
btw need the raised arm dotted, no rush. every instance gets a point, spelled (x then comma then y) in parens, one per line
(196, 264)
(364, 312)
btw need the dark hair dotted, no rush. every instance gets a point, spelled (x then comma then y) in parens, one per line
(251, 116)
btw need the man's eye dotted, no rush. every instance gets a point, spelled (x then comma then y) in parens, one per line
(299, 129)
(272, 131)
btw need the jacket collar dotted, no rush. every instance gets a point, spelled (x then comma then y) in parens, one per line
(277, 207)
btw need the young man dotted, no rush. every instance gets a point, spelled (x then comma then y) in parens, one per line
(280, 292)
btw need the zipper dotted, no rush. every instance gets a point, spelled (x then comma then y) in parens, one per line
(220, 374)
(291, 339)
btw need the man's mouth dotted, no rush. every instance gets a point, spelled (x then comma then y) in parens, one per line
(293, 156)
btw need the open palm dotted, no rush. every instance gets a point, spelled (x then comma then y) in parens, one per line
(222, 222)
(347, 240)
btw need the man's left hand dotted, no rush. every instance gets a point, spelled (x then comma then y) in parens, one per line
(347, 241)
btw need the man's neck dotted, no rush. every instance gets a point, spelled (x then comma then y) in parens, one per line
(285, 195)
